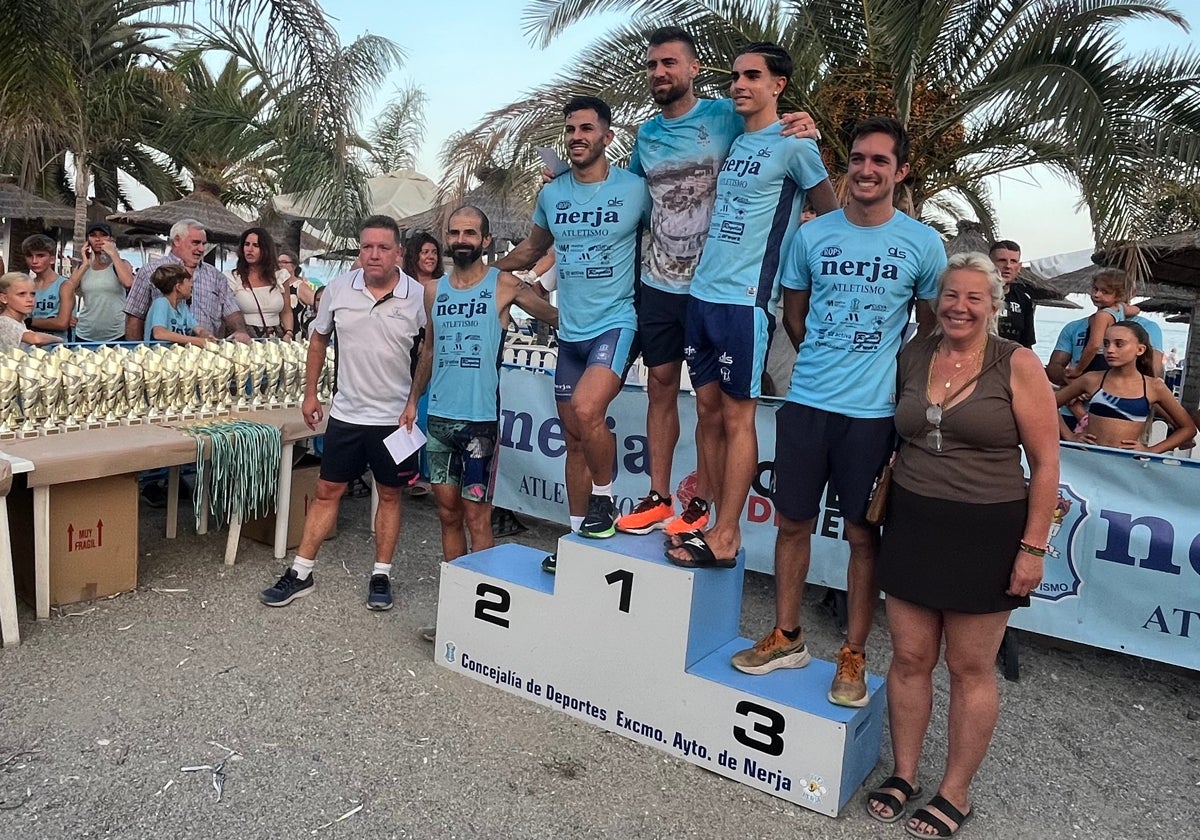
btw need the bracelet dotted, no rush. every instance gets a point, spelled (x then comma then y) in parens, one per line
(1034, 550)
(288, 332)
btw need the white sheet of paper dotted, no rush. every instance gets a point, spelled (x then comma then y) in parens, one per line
(402, 443)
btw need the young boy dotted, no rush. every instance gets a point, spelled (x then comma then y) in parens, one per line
(55, 294)
(1111, 292)
(169, 318)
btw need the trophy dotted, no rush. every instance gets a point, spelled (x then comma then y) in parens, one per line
(93, 392)
(10, 386)
(53, 394)
(154, 381)
(325, 381)
(72, 389)
(274, 387)
(294, 359)
(30, 385)
(171, 387)
(189, 375)
(135, 391)
(112, 391)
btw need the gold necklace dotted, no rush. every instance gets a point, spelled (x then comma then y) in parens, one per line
(588, 199)
(972, 363)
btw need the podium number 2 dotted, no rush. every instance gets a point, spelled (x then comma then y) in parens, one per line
(771, 727)
(492, 611)
(625, 578)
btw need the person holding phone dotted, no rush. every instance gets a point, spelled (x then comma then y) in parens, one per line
(101, 281)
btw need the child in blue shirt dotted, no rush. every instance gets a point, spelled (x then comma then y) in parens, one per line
(169, 318)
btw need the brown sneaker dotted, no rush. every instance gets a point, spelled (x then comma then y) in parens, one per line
(775, 650)
(849, 686)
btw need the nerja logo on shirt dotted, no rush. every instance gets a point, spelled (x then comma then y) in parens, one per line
(869, 270)
(741, 166)
(591, 218)
(467, 309)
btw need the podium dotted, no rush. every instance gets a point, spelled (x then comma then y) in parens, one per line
(625, 640)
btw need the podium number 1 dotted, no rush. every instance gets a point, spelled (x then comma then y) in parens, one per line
(625, 578)
(492, 611)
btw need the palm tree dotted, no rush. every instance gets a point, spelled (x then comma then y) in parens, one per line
(310, 91)
(84, 80)
(984, 87)
(398, 132)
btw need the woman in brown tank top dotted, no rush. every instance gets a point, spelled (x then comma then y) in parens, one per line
(963, 541)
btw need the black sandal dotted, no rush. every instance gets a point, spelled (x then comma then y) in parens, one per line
(923, 814)
(889, 800)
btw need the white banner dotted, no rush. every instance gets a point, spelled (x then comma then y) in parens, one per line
(1123, 571)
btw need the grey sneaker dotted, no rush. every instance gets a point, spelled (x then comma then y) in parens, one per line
(287, 589)
(379, 593)
(429, 634)
(774, 651)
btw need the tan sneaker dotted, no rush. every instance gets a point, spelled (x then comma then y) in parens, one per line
(774, 651)
(849, 686)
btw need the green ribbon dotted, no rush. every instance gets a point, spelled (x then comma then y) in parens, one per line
(242, 469)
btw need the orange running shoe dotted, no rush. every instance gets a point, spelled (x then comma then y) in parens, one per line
(694, 518)
(652, 512)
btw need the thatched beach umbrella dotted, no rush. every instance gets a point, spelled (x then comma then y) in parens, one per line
(21, 214)
(971, 236)
(510, 218)
(16, 203)
(202, 204)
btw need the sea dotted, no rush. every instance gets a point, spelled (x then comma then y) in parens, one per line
(1049, 321)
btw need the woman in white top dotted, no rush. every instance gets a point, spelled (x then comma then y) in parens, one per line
(256, 287)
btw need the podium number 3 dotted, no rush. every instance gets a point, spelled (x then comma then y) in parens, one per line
(492, 611)
(771, 727)
(625, 578)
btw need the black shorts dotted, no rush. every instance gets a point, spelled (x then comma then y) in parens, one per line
(662, 317)
(351, 448)
(814, 447)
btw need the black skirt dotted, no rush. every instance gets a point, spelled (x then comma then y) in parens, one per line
(948, 555)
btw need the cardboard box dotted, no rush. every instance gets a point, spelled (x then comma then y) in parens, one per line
(93, 539)
(304, 491)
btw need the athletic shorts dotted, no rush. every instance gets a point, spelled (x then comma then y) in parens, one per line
(662, 321)
(727, 344)
(814, 447)
(612, 349)
(351, 448)
(462, 453)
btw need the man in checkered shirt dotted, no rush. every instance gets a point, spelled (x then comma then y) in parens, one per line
(212, 304)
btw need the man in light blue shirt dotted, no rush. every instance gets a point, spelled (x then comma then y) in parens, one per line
(760, 191)
(593, 217)
(680, 152)
(850, 281)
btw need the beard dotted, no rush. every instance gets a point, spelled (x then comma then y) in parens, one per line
(465, 255)
(672, 94)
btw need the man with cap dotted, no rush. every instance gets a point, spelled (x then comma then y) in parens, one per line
(101, 281)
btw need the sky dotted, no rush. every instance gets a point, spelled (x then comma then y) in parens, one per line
(471, 57)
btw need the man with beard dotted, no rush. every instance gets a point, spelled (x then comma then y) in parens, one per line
(212, 303)
(679, 152)
(761, 190)
(377, 312)
(594, 217)
(465, 312)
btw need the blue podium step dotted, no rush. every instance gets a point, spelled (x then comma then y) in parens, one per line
(625, 640)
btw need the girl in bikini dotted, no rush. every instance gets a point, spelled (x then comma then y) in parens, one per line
(1122, 399)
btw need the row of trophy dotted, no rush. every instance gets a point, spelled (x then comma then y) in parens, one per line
(67, 389)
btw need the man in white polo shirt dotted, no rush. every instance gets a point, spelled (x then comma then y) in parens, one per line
(377, 312)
